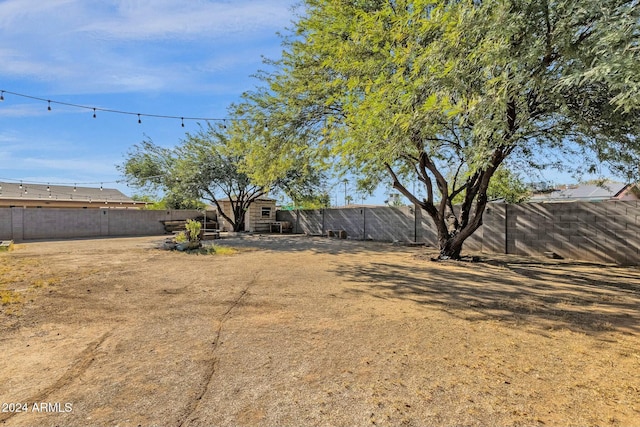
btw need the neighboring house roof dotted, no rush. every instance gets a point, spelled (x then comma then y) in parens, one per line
(43, 192)
(261, 199)
(608, 190)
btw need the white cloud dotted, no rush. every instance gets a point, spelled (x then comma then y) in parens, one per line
(78, 46)
(179, 19)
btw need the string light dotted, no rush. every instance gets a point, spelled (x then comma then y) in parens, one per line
(23, 182)
(51, 192)
(109, 110)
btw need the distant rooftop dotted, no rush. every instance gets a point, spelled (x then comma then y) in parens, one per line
(17, 191)
(608, 190)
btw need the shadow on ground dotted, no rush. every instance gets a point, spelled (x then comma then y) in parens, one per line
(550, 294)
(301, 242)
(579, 296)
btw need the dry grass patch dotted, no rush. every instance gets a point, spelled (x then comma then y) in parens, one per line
(313, 331)
(21, 279)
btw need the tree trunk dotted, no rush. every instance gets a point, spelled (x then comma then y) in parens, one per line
(450, 248)
(238, 214)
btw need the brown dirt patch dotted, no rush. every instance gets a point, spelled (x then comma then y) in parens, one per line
(312, 331)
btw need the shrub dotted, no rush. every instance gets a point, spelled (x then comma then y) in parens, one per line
(193, 230)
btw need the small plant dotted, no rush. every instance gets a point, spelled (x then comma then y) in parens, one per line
(181, 237)
(9, 297)
(193, 230)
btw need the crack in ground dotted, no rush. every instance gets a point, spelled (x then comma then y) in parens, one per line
(81, 364)
(193, 406)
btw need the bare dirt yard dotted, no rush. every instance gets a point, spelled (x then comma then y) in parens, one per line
(295, 330)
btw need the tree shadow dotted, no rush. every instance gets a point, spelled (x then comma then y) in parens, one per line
(299, 242)
(586, 297)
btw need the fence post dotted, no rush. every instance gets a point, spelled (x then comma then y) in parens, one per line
(417, 223)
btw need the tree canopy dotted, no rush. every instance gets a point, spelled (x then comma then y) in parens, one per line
(445, 92)
(211, 165)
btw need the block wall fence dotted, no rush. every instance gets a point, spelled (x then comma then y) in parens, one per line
(21, 224)
(601, 232)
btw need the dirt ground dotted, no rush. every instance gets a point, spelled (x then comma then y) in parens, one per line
(295, 330)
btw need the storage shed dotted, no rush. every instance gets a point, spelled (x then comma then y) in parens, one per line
(258, 218)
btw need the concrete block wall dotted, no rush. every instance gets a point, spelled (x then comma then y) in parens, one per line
(350, 220)
(390, 224)
(27, 224)
(384, 223)
(605, 231)
(58, 223)
(494, 228)
(6, 224)
(601, 232)
(598, 231)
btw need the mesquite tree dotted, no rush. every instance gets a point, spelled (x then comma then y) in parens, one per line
(445, 92)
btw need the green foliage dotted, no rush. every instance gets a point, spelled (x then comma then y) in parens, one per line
(443, 92)
(193, 230)
(169, 201)
(508, 186)
(321, 201)
(181, 237)
(212, 164)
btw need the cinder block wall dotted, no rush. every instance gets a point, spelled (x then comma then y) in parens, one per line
(59, 223)
(26, 224)
(350, 220)
(383, 223)
(605, 231)
(391, 224)
(602, 232)
(5, 224)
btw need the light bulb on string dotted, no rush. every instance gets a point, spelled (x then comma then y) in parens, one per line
(20, 185)
(95, 109)
(100, 186)
(74, 187)
(182, 119)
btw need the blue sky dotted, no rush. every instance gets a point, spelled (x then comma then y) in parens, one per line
(166, 57)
